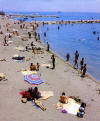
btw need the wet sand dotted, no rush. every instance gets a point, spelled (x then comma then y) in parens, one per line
(62, 78)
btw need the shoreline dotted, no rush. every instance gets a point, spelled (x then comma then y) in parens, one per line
(69, 64)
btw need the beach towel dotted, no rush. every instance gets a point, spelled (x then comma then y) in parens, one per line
(15, 55)
(46, 93)
(19, 48)
(34, 104)
(46, 65)
(2, 59)
(26, 72)
(20, 61)
(9, 42)
(2, 75)
(71, 107)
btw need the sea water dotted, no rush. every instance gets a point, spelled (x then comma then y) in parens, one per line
(72, 37)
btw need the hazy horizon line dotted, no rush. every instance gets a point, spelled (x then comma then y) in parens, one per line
(55, 11)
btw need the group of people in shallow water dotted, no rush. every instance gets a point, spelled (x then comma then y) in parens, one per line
(83, 67)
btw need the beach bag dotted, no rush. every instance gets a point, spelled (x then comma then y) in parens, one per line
(24, 100)
(81, 109)
(83, 104)
(80, 114)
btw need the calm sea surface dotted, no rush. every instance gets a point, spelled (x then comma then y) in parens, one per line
(72, 37)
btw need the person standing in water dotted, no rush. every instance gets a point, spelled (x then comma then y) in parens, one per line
(82, 63)
(67, 56)
(48, 46)
(84, 70)
(76, 55)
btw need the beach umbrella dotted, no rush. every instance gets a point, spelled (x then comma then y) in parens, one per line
(33, 79)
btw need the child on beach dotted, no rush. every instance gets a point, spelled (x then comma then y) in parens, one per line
(67, 56)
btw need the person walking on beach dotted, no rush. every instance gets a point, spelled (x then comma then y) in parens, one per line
(53, 61)
(38, 36)
(67, 56)
(76, 55)
(5, 42)
(84, 70)
(37, 66)
(32, 44)
(29, 34)
(76, 64)
(48, 46)
(82, 63)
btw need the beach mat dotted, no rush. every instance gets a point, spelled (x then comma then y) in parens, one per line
(46, 65)
(46, 94)
(34, 104)
(71, 107)
(28, 72)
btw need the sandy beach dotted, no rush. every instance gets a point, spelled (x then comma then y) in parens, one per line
(62, 79)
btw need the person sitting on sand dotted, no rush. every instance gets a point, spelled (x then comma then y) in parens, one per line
(37, 66)
(27, 95)
(32, 67)
(35, 93)
(32, 44)
(63, 98)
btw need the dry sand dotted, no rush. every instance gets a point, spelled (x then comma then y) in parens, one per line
(62, 78)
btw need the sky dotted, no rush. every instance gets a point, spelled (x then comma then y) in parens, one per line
(50, 5)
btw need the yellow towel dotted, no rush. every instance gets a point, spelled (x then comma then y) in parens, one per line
(2, 75)
(46, 93)
(28, 72)
(45, 65)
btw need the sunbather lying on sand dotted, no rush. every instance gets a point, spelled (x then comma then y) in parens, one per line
(38, 103)
(2, 59)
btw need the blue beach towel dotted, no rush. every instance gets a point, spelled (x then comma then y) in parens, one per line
(34, 104)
